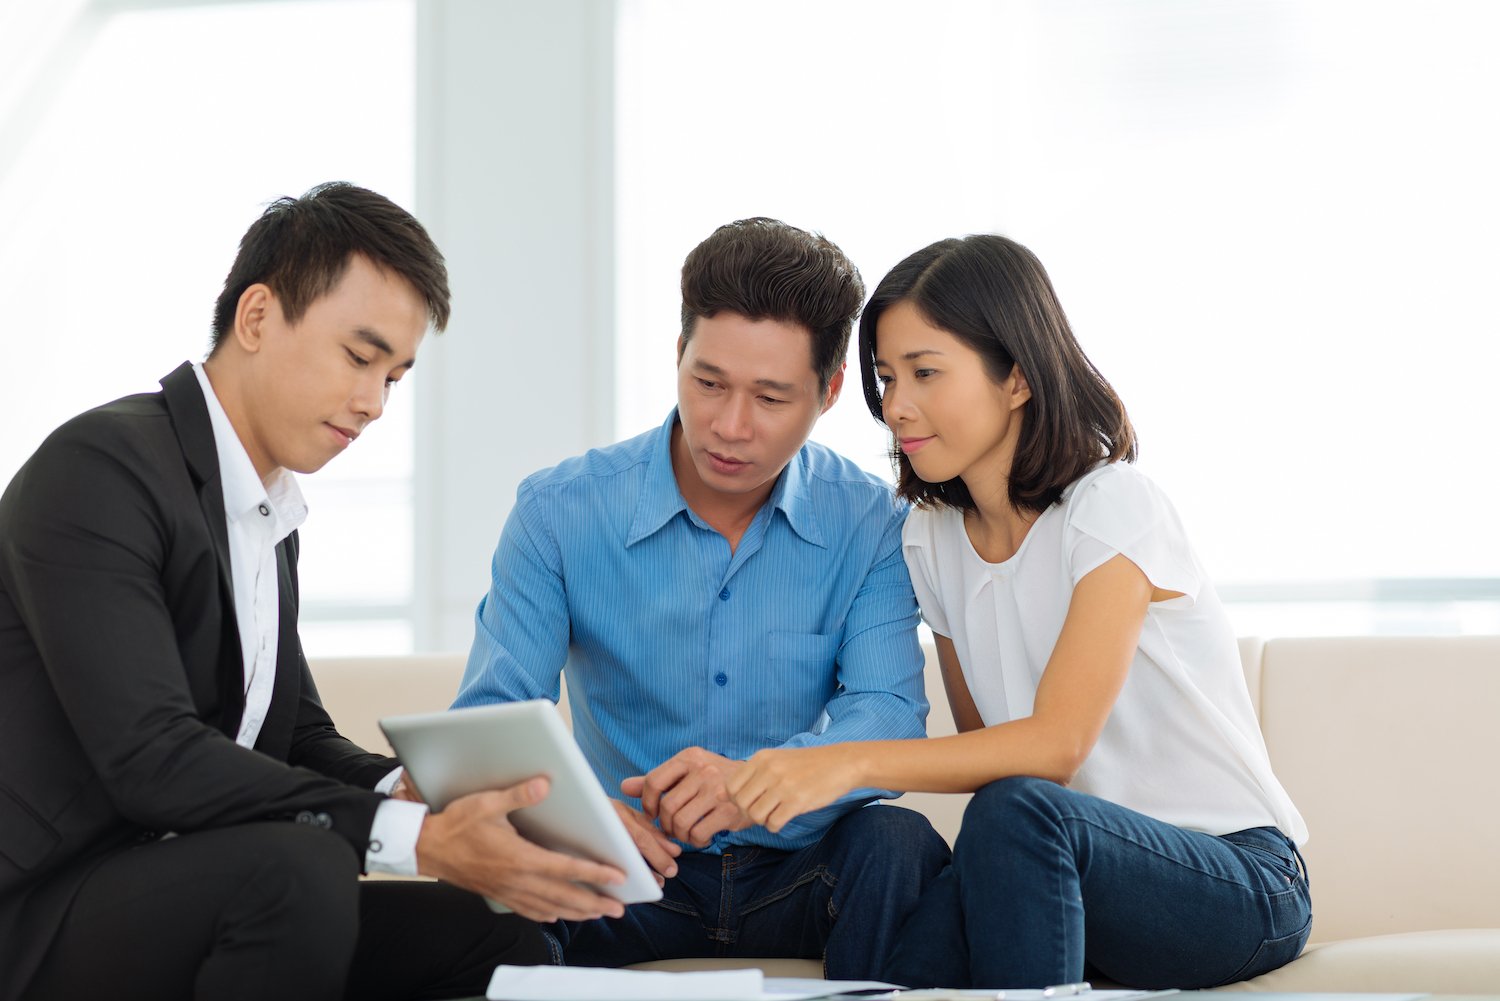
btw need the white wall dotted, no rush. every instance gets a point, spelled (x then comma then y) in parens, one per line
(515, 134)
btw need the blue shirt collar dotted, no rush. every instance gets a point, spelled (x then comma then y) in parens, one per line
(662, 500)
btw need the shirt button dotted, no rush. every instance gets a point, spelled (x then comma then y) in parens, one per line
(306, 817)
(724, 594)
(721, 679)
(264, 510)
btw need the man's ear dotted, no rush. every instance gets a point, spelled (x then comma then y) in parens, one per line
(250, 316)
(835, 386)
(681, 347)
(1020, 389)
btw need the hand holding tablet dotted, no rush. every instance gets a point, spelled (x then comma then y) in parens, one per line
(454, 754)
(473, 845)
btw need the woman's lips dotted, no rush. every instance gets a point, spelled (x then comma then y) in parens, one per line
(910, 445)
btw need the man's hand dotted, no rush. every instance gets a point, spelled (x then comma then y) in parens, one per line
(473, 845)
(780, 784)
(688, 795)
(655, 847)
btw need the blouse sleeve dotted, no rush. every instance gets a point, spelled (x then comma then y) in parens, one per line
(919, 545)
(1118, 510)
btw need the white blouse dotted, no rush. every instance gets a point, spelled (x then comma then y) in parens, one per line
(1181, 743)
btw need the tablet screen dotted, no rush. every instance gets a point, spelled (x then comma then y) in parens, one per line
(462, 751)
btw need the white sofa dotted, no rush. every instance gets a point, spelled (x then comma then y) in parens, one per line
(1389, 746)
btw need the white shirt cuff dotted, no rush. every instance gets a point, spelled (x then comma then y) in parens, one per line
(393, 837)
(388, 783)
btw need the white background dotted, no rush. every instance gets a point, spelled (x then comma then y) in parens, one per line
(1272, 225)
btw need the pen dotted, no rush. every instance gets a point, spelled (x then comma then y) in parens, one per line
(1066, 990)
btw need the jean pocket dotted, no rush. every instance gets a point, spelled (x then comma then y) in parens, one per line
(1278, 858)
(1273, 954)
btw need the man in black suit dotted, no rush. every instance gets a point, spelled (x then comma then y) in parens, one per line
(178, 815)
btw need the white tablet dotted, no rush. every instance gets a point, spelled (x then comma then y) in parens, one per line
(462, 751)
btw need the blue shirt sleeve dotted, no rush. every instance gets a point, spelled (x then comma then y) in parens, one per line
(521, 624)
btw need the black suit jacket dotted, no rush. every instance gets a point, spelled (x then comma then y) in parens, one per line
(121, 675)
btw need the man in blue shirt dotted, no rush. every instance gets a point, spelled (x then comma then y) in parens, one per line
(717, 586)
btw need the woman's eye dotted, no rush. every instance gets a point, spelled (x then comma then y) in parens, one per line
(356, 359)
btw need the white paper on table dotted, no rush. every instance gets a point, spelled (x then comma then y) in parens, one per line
(587, 983)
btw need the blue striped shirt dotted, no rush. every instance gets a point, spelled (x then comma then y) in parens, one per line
(805, 635)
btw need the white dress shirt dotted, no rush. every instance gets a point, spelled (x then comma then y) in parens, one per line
(258, 517)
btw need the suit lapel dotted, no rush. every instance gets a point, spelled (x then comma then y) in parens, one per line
(195, 435)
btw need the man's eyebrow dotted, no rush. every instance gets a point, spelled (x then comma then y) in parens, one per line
(375, 341)
(711, 369)
(911, 355)
(380, 344)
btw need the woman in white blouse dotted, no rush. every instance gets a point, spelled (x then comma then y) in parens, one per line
(1126, 822)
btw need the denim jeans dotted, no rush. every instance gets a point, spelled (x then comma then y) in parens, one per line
(841, 900)
(1049, 886)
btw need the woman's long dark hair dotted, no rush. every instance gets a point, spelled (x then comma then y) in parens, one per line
(994, 295)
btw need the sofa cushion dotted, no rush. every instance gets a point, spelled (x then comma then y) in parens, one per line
(1463, 961)
(1388, 745)
(358, 692)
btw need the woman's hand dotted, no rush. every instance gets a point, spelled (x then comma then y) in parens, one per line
(778, 785)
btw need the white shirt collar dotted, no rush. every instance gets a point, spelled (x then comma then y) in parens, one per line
(244, 492)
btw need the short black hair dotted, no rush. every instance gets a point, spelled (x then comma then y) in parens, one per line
(301, 247)
(994, 295)
(764, 269)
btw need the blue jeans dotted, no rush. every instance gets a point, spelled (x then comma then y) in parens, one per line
(841, 900)
(1048, 886)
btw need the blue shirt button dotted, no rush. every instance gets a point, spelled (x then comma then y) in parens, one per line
(721, 679)
(724, 594)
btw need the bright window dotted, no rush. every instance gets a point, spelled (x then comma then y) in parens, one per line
(119, 217)
(1272, 225)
